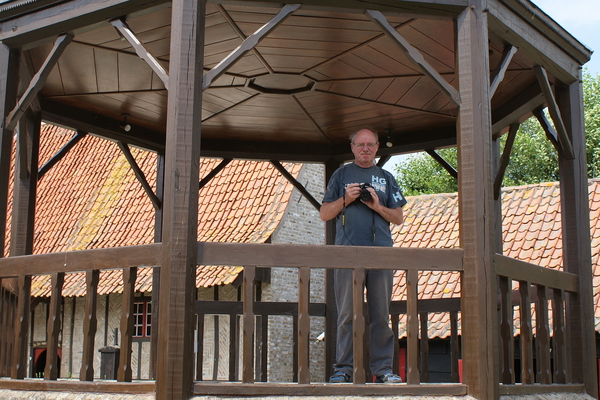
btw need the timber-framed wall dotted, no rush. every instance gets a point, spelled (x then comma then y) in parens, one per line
(478, 103)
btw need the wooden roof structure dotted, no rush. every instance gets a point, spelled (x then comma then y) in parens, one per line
(258, 80)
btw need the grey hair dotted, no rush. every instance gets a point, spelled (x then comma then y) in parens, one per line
(352, 136)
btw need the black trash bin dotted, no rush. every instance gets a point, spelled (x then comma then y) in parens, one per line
(109, 362)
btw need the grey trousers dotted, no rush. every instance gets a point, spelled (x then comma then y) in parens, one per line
(379, 293)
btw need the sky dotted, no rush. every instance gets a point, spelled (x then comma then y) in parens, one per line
(581, 18)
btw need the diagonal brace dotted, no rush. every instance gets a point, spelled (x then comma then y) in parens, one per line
(415, 56)
(504, 159)
(60, 153)
(296, 184)
(440, 160)
(248, 44)
(561, 130)
(500, 70)
(141, 50)
(139, 174)
(38, 81)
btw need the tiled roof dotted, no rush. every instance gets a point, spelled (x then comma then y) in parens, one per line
(531, 229)
(91, 199)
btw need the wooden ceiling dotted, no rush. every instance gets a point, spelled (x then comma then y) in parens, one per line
(317, 77)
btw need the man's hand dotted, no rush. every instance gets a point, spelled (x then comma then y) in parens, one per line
(393, 215)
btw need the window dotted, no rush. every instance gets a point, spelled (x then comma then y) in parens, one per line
(142, 319)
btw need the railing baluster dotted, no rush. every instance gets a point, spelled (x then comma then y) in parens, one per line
(526, 334)
(248, 325)
(395, 319)
(200, 345)
(21, 328)
(454, 347)
(560, 349)
(303, 325)
(506, 331)
(53, 327)
(542, 336)
(424, 350)
(90, 323)
(412, 328)
(125, 373)
(234, 346)
(358, 324)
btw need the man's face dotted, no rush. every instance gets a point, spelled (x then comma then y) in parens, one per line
(365, 148)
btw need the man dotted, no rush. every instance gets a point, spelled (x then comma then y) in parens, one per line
(364, 220)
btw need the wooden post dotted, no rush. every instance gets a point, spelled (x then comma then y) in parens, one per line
(576, 241)
(160, 178)
(476, 206)
(330, 306)
(22, 228)
(175, 358)
(9, 68)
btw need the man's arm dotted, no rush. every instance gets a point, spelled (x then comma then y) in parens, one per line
(331, 209)
(392, 215)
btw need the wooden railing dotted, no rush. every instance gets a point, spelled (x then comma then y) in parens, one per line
(538, 286)
(302, 257)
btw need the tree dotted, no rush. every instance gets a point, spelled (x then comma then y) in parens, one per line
(533, 158)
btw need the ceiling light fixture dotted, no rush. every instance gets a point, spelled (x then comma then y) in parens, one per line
(125, 126)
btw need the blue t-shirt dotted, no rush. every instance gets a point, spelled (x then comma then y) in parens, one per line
(357, 224)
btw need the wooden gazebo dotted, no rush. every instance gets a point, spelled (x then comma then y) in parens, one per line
(266, 81)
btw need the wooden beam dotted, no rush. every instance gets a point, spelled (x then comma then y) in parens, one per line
(25, 186)
(214, 172)
(76, 17)
(248, 44)
(523, 271)
(498, 74)
(242, 36)
(139, 174)
(53, 326)
(85, 121)
(141, 50)
(9, 72)
(517, 109)
(296, 184)
(551, 134)
(175, 359)
(479, 319)
(125, 373)
(60, 153)
(303, 325)
(316, 256)
(81, 260)
(38, 81)
(414, 56)
(510, 140)
(412, 327)
(576, 243)
(513, 29)
(440, 160)
(248, 325)
(22, 316)
(90, 324)
(563, 138)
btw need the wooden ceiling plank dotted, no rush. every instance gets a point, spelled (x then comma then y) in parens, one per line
(242, 36)
(229, 108)
(563, 138)
(141, 50)
(311, 119)
(249, 43)
(77, 16)
(414, 55)
(498, 73)
(37, 82)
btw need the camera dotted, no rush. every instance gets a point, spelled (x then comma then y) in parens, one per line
(364, 193)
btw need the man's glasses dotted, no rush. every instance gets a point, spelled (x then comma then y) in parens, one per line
(369, 145)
